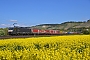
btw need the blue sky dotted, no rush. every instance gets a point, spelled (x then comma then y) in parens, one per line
(33, 12)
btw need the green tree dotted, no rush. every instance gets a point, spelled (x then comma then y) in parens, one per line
(2, 33)
(86, 32)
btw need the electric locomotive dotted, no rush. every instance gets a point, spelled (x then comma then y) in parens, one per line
(19, 30)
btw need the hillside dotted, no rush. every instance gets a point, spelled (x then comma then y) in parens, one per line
(64, 26)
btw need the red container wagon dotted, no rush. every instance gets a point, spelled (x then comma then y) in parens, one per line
(41, 31)
(54, 32)
(38, 31)
(47, 32)
(35, 31)
(51, 31)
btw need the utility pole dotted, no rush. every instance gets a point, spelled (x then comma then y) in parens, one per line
(14, 24)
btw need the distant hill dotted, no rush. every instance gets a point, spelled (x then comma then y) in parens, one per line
(65, 25)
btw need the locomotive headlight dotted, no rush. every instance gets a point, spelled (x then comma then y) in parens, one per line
(10, 30)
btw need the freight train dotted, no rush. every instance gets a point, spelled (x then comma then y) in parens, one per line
(34, 31)
(30, 31)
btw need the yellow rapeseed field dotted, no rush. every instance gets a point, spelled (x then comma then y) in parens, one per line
(73, 47)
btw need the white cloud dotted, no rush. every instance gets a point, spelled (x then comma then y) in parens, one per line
(21, 25)
(11, 25)
(6, 25)
(3, 25)
(13, 20)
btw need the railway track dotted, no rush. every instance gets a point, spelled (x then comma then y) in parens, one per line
(27, 36)
(8, 37)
